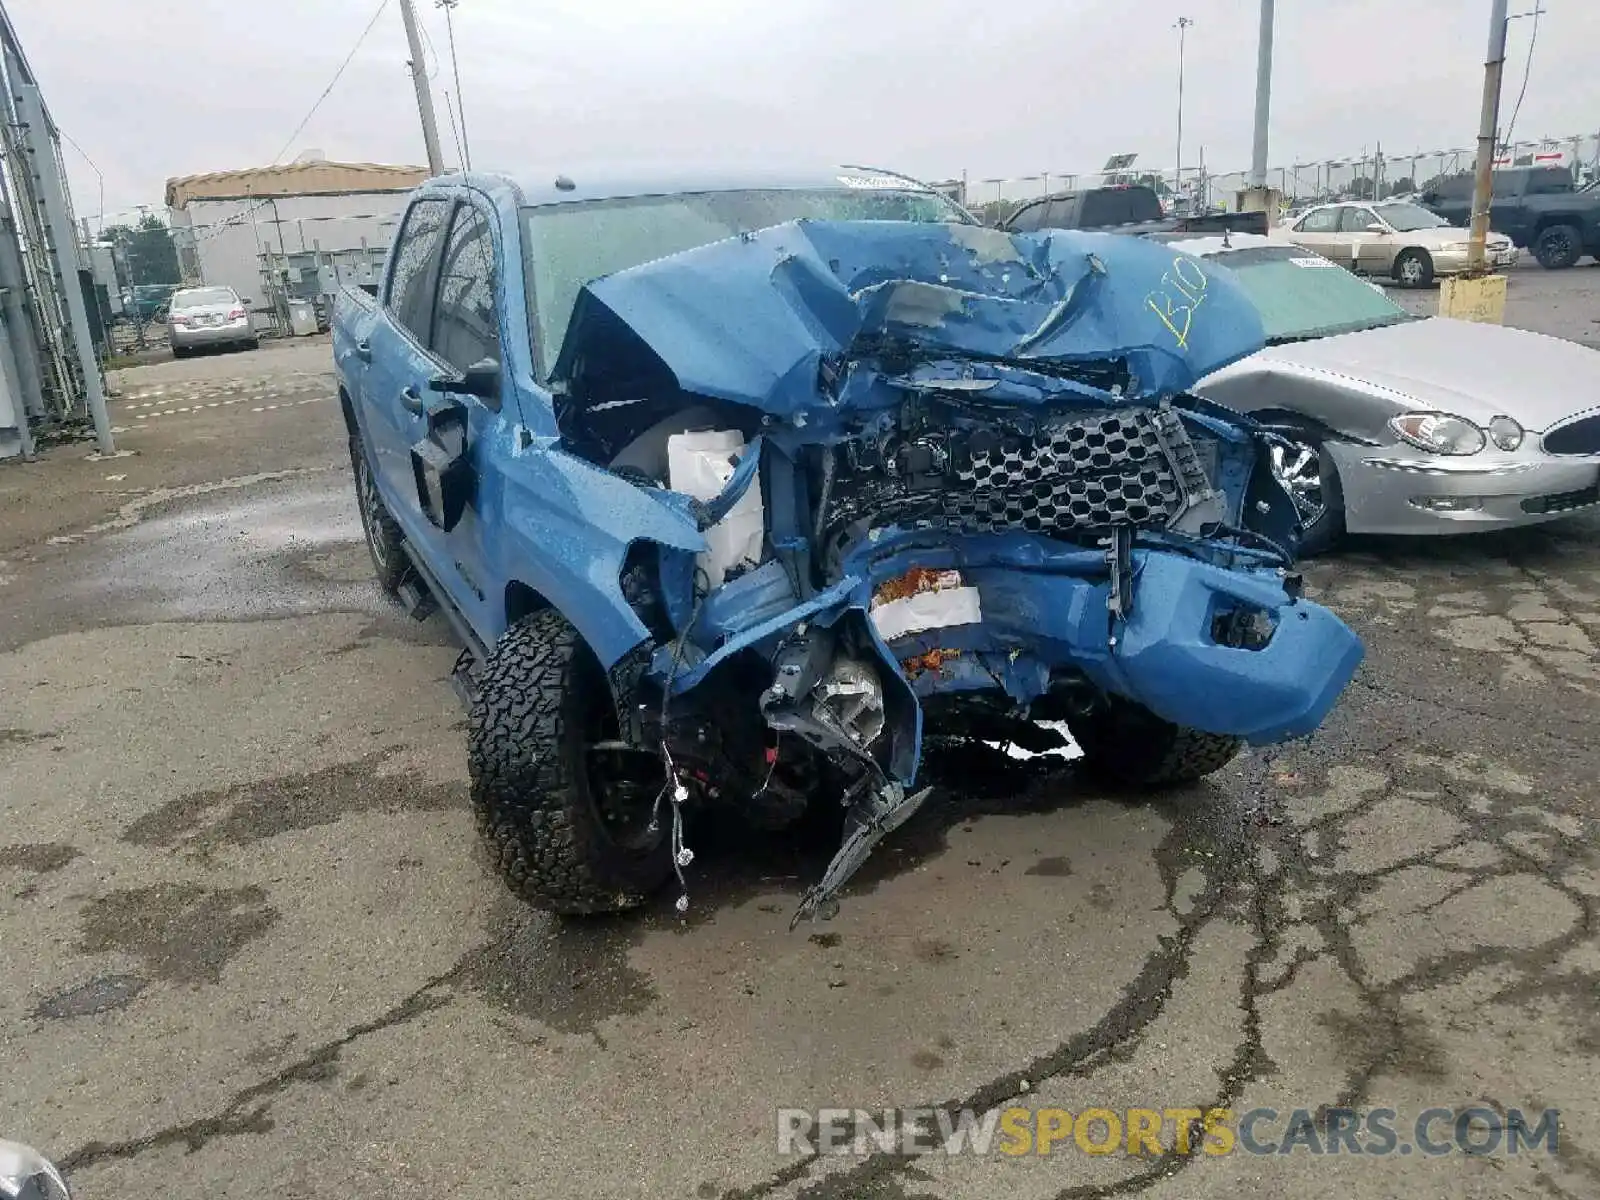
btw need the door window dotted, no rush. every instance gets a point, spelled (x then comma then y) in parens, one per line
(416, 256)
(1356, 220)
(1323, 220)
(466, 327)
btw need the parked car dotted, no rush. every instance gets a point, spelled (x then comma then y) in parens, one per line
(1123, 208)
(147, 301)
(730, 486)
(1404, 242)
(1401, 424)
(1539, 208)
(209, 316)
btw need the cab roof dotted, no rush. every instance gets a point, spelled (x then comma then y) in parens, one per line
(601, 184)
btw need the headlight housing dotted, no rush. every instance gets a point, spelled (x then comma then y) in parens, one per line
(1505, 433)
(1439, 432)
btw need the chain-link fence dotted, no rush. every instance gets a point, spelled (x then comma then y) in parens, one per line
(1371, 174)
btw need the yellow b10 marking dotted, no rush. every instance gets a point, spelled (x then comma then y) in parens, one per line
(1189, 282)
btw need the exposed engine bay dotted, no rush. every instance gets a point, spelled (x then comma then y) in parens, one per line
(944, 479)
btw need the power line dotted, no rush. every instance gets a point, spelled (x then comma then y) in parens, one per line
(1527, 69)
(67, 137)
(332, 83)
(455, 68)
(450, 111)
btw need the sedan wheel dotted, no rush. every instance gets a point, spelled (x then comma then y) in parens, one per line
(1299, 469)
(1309, 478)
(1414, 269)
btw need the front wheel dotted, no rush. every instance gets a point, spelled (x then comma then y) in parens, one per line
(1127, 745)
(1414, 268)
(1305, 470)
(566, 830)
(1558, 247)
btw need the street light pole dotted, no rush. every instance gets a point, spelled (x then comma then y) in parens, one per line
(419, 77)
(1177, 171)
(1488, 121)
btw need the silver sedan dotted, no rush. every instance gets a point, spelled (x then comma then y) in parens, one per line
(209, 316)
(1404, 424)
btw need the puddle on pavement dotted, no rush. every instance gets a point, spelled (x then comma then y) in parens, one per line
(250, 812)
(295, 548)
(179, 932)
(41, 858)
(103, 994)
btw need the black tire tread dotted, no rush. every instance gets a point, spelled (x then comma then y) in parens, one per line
(1575, 236)
(1129, 746)
(397, 570)
(532, 809)
(1427, 263)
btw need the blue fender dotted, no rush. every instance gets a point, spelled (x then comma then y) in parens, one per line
(564, 528)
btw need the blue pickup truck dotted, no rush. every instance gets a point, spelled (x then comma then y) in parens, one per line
(735, 491)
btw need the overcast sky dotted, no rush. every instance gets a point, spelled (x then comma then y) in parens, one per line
(933, 87)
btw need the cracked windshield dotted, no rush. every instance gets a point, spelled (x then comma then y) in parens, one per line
(618, 602)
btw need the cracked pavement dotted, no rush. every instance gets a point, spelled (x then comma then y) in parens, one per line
(250, 946)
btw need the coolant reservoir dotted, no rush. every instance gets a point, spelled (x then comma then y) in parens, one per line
(700, 465)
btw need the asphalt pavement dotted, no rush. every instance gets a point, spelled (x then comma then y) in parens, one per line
(251, 949)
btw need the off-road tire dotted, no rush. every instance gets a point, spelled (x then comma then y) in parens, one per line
(180, 352)
(1126, 745)
(385, 542)
(1558, 247)
(530, 787)
(1425, 273)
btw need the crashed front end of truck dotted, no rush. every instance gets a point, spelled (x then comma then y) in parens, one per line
(948, 481)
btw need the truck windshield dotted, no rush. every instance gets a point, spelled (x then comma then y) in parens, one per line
(1301, 295)
(569, 245)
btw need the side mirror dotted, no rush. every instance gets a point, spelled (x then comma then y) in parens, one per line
(246, 301)
(1376, 228)
(481, 379)
(24, 1172)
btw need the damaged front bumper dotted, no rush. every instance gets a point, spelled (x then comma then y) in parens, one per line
(1045, 610)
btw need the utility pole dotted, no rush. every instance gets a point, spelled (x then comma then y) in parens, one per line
(1177, 170)
(419, 77)
(1488, 123)
(1258, 152)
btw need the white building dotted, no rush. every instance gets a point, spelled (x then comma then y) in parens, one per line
(246, 228)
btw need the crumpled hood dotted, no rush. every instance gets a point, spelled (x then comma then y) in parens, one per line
(756, 319)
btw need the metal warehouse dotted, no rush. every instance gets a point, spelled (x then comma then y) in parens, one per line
(287, 232)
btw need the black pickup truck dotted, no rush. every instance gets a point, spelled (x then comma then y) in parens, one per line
(1536, 207)
(1123, 208)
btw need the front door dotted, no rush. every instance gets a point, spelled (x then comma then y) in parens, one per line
(464, 346)
(398, 362)
(1365, 251)
(1316, 231)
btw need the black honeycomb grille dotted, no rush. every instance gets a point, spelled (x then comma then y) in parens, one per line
(1093, 474)
(1134, 467)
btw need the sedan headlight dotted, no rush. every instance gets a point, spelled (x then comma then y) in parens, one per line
(1505, 433)
(1439, 432)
